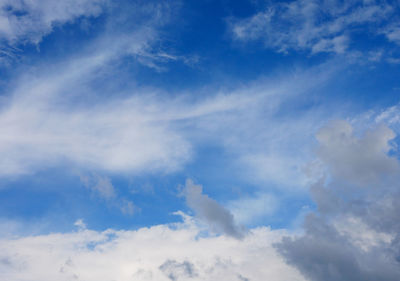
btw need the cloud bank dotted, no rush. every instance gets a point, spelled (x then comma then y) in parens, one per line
(163, 252)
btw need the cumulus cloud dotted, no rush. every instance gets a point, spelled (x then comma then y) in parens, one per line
(362, 160)
(355, 233)
(312, 26)
(163, 252)
(209, 211)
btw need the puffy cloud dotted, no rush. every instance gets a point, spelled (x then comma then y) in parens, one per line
(359, 160)
(209, 211)
(163, 252)
(355, 233)
(311, 25)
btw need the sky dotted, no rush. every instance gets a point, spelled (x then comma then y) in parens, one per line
(199, 140)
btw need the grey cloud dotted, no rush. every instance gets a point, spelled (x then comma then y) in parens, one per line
(355, 233)
(174, 270)
(209, 211)
(358, 160)
(241, 278)
(323, 254)
(5, 262)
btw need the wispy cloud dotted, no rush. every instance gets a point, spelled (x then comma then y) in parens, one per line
(103, 188)
(313, 26)
(142, 130)
(29, 21)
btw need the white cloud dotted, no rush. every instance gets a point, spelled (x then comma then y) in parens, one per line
(393, 33)
(118, 135)
(163, 252)
(24, 21)
(310, 25)
(145, 130)
(80, 224)
(252, 210)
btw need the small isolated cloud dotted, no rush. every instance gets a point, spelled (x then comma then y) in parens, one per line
(355, 233)
(313, 26)
(80, 224)
(159, 253)
(209, 211)
(103, 188)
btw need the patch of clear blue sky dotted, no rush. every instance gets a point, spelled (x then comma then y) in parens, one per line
(199, 28)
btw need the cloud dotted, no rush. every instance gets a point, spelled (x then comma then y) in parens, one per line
(174, 270)
(253, 209)
(28, 22)
(392, 32)
(162, 252)
(209, 211)
(102, 187)
(45, 126)
(359, 160)
(54, 116)
(24, 21)
(355, 233)
(312, 26)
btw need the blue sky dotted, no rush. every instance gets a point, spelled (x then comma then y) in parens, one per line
(199, 135)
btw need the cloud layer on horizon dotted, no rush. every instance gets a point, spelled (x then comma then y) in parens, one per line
(163, 252)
